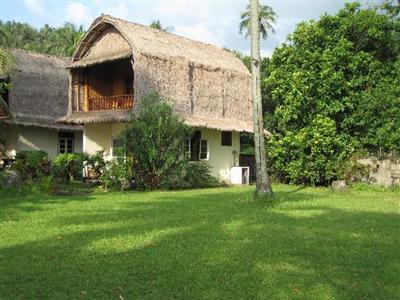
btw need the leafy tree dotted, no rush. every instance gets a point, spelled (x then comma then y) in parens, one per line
(155, 140)
(68, 166)
(267, 17)
(392, 7)
(156, 24)
(343, 71)
(60, 41)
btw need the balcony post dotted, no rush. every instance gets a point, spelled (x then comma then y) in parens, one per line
(86, 103)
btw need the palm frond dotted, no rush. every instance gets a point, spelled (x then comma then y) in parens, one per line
(267, 18)
(6, 61)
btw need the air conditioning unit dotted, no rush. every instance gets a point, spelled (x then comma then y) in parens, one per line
(239, 175)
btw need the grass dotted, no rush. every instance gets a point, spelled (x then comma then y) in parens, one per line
(310, 243)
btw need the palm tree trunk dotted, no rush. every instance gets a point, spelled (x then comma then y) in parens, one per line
(263, 184)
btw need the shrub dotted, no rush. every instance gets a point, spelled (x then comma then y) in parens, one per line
(45, 184)
(193, 175)
(96, 163)
(345, 68)
(155, 140)
(314, 155)
(32, 164)
(2, 179)
(68, 166)
(352, 171)
(117, 174)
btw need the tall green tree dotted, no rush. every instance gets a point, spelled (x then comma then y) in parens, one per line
(61, 41)
(266, 20)
(392, 7)
(263, 184)
(333, 89)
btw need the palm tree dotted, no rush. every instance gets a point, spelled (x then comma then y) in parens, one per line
(263, 184)
(266, 18)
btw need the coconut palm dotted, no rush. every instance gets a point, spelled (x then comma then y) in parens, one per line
(267, 17)
(263, 184)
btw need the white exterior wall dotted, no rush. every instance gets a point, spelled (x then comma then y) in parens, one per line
(221, 158)
(99, 137)
(28, 138)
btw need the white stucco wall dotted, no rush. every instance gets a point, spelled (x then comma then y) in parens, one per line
(221, 159)
(97, 137)
(23, 138)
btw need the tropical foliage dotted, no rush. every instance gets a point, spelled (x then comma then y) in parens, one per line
(32, 165)
(68, 166)
(267, 17)
(155, 139)
(60, 41)
(331, 90)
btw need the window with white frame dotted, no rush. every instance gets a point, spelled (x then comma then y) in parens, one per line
(66, 142)
(188, 148)
(196, 148)
(117, 147)
(204, 150)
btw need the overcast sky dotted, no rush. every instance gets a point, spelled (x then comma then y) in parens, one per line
(215, 21)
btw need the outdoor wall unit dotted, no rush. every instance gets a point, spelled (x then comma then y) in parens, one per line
(239, 175)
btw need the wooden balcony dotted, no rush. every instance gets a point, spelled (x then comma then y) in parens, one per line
(110, 103)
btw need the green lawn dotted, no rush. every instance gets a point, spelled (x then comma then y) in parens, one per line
(217, 243)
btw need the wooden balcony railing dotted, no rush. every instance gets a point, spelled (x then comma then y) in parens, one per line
(110, 103)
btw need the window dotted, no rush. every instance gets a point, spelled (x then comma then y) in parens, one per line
(187, 148)
(226, 138)
(117, 146)
(195, 145)
(196, 148)
(204, 150)
(66, 142)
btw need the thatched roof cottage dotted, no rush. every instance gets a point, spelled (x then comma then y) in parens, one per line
(119, 62)
(38, 97)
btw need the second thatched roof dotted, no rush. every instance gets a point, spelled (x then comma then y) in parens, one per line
(39, 90)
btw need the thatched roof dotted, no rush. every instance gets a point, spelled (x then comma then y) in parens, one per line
(125, 37)
(103, 116)
(125, 115)
(39, 93)
(206, 85)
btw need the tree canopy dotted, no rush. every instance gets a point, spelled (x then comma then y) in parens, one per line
(333, 89)
(61, 41)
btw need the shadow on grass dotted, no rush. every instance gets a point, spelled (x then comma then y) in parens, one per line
(206, 244)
